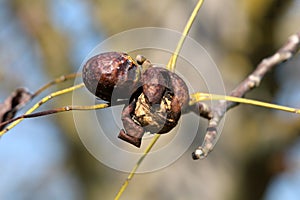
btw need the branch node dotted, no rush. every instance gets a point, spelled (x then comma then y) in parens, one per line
(199, 154)
(294, 39)
(254, 81)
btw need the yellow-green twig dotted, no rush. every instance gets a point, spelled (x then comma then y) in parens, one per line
(41, 102)
(55, 81)
(197, 97)
(173, 59)
(134, 169)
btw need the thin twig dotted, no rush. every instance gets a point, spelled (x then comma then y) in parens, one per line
(55, 81)
(20, 97)
(56, 110)
(41, 102)
(286, 52)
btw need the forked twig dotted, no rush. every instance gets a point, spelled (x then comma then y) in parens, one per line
(41, 102)
(20, 97)
(286, 52)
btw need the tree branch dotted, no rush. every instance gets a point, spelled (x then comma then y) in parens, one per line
(286, 52)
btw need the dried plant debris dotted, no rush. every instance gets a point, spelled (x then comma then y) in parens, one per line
(14, 102)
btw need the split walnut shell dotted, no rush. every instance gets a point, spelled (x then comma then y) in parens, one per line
(166, 94)
(156, 106)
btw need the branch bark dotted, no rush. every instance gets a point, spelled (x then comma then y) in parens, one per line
(286, 52)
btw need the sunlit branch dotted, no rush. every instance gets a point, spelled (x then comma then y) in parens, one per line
(199, 97)
(286, 52)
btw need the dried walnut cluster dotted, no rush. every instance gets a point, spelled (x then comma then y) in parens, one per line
(154, 96)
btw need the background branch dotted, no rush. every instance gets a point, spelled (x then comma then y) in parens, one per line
(286, 52)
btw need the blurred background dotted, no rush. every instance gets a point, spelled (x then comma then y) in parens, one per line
(258, 154)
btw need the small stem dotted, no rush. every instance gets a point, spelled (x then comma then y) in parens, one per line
(55, 81)
(197, 97)
(56, 110)
(173, 59)
(138, 163)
